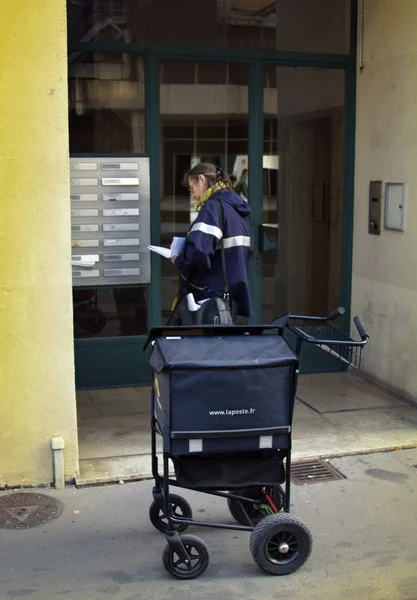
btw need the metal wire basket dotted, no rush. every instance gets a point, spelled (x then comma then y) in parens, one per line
(320, 333)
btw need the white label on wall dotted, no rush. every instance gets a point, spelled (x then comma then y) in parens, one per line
(120, 272)
(85, 257)
(86, 273)
(85, 212)
(119, 166)
(118, 197)
(81, 228)
(84, 244)
(119, 181)
(83, 197)
(121, 227)
(74, 166)
(84, 181)
(120, 212)
(122, 242)
(114, 257)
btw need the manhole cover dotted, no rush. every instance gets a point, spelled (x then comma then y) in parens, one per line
(21, 511)
(313, 471)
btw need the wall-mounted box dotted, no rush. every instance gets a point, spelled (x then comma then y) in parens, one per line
(108, 212)
(374, 216)
(394, 206)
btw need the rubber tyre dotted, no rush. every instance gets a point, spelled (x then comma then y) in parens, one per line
(199, 558)
(273, 531)
(254, 513)
(180, 508)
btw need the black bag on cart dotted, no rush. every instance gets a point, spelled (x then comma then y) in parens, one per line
(216, 311)
(224, 407)
(225, 471)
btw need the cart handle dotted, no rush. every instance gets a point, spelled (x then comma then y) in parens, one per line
(361, 329)
(338, 312)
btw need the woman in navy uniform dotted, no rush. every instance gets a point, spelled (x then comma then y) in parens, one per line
(200, 263)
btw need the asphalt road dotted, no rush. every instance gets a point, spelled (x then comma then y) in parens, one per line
(103, 546)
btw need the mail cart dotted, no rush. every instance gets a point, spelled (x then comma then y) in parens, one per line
(223, 402)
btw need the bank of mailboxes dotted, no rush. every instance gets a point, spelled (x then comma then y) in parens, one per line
(110, 221)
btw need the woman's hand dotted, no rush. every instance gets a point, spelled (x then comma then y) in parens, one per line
(172, 259)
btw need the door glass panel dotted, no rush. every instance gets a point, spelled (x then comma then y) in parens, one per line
(205, 119)
(300, 25)
(107, 116)
(230, 23)
(313, 26)
(302, 191)
(106, 103)
(109, 312)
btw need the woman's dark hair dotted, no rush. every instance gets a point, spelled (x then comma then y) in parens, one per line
(212, 174)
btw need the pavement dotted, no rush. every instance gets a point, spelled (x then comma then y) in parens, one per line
(336, 414)
(103, 547)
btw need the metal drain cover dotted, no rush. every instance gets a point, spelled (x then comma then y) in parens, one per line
(22, 511)
(313, 471)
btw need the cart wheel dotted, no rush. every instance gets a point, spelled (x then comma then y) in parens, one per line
(280, 544)
(199, 558)
(180, 508)
(254, 512)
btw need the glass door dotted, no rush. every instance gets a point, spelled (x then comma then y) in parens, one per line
(204, 117)
(204, 111)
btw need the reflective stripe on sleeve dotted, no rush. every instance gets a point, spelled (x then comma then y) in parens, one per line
(237, 240)
(209, 229)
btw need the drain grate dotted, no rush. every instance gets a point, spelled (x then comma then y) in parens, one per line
(313, 471)
(22, 511)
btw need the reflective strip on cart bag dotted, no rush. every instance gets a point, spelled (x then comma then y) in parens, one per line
(195, 445)
(265, 441)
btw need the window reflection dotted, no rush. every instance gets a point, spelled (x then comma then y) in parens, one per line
(106, 103)
(109, 312)
(313, 25)
(300, 25)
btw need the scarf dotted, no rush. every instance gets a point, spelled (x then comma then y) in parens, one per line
(220, 185)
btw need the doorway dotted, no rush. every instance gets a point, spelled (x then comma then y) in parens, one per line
(205, 114)
(302, 182)
(248, 90)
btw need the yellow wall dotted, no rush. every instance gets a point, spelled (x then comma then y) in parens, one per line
(384, 267)
(37, 398)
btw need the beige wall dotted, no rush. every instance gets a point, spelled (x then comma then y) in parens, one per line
(37, 397)
(384, 267)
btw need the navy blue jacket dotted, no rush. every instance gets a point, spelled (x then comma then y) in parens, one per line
(200, 263)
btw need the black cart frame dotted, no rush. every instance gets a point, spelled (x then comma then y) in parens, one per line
(272, 498)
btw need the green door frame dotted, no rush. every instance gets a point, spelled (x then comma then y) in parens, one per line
(89, 353)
